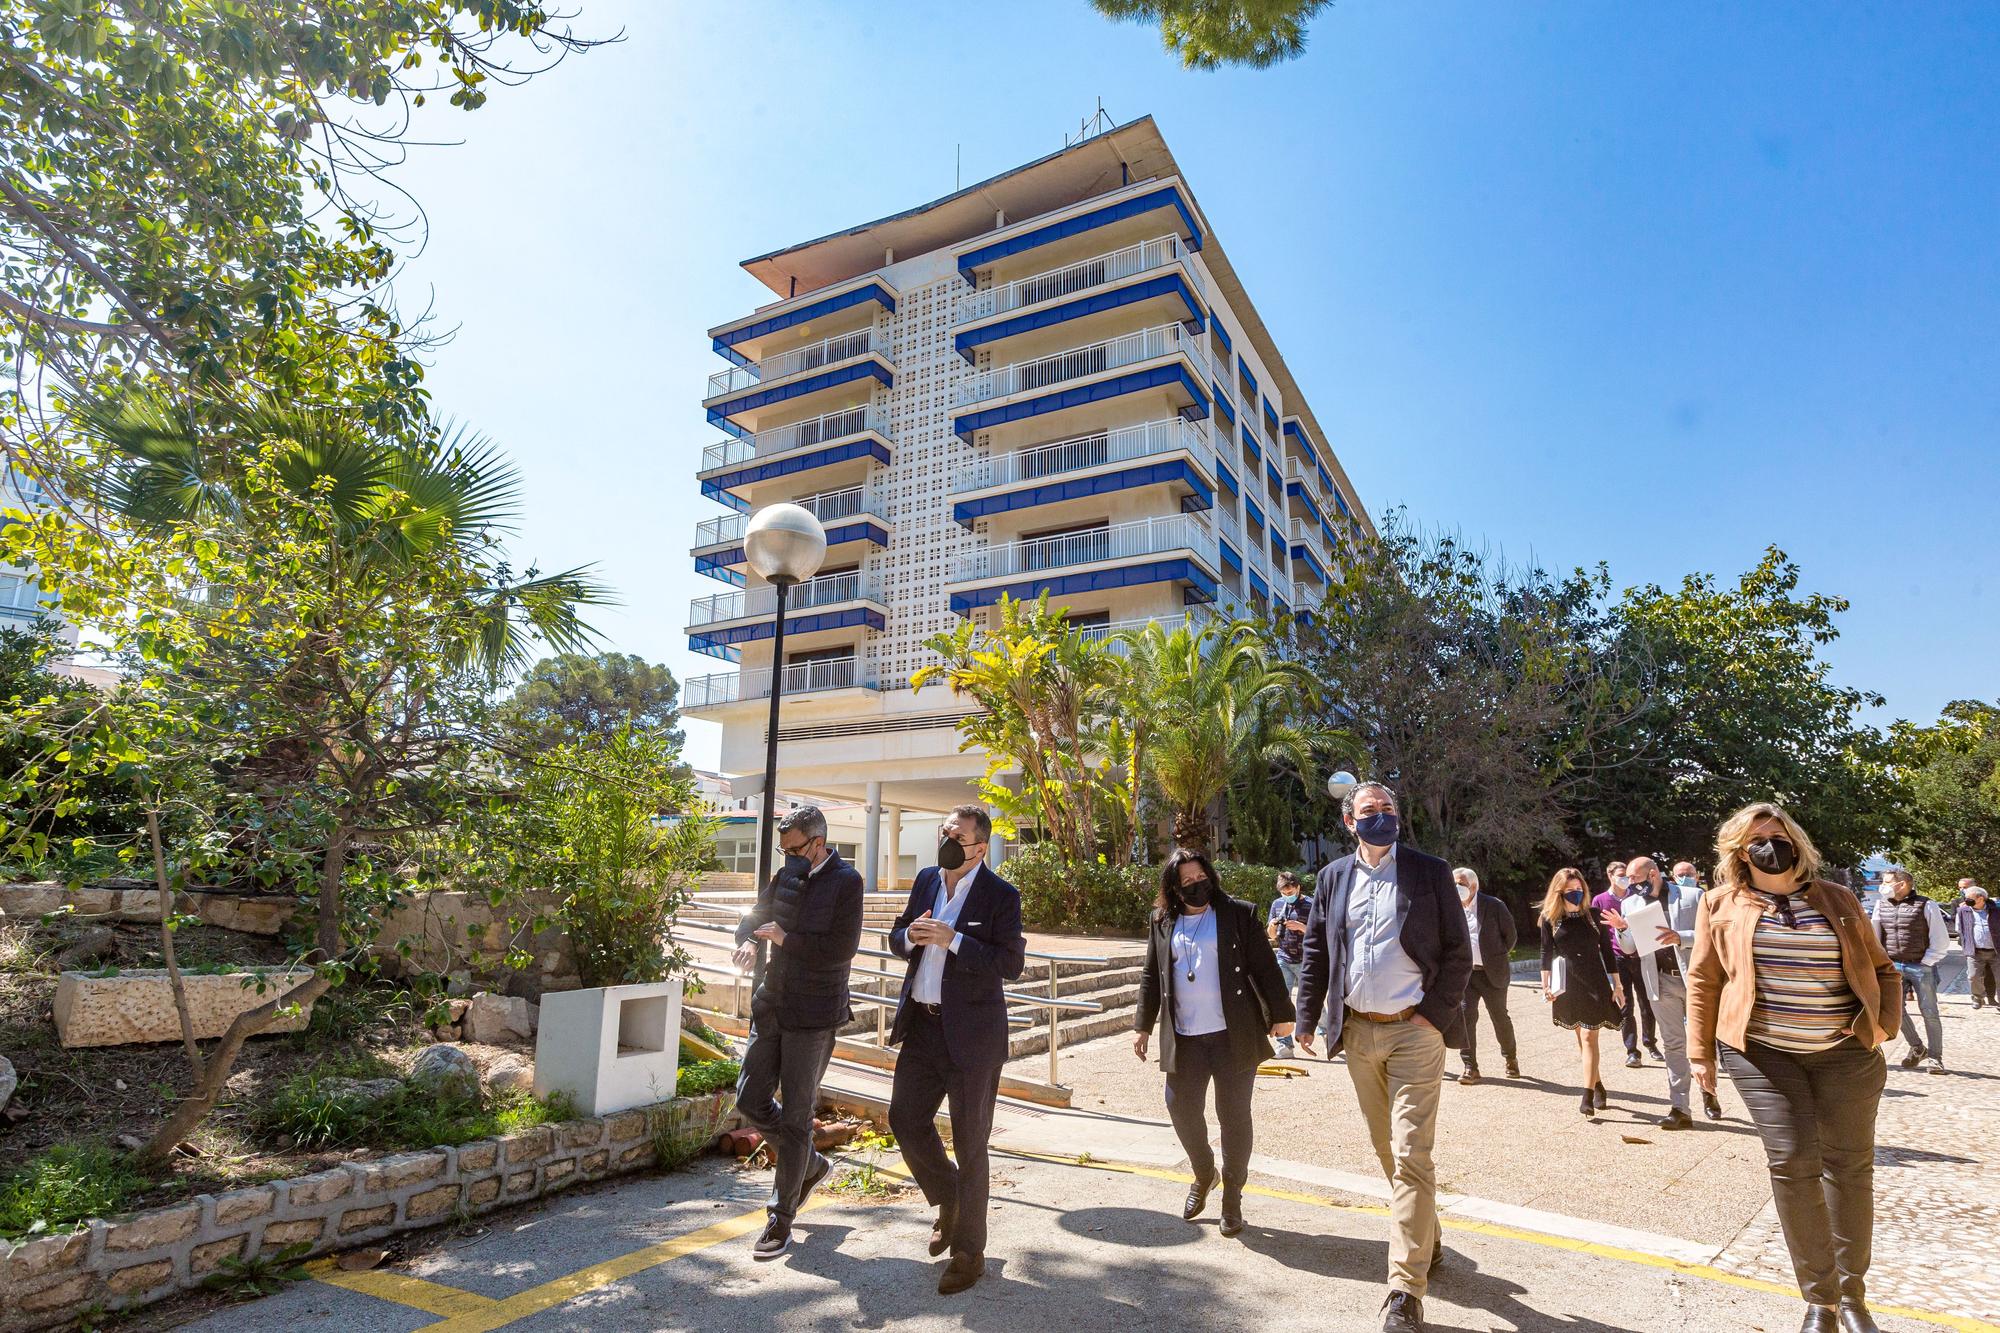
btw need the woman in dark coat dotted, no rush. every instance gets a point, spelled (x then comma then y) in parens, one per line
(1590, 998)
(1213, 985)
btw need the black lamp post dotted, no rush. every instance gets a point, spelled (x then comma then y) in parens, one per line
(784, 544)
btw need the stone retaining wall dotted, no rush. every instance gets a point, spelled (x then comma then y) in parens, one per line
(250, 914)
(145, 1257)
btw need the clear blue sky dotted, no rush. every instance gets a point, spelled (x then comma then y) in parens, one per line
(1657, 285)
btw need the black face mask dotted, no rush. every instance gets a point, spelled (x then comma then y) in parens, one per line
(951, 854)
(1195, 894)
(797, 866)
(1574, 897)
(1773, 856)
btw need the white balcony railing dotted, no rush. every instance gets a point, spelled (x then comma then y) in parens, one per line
(1085, 451)
(1148, 536)
(1232, 529)
(1090, 359)
(728, 687)
(1081, 276)
(798, 435)
(825, 352)
(1308, 536)
(826, 590)
(830, 507)
(1308, 478)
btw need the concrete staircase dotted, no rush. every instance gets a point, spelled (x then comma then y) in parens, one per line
(1113, 984)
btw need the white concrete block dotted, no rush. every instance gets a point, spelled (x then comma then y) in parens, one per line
(610, 1048)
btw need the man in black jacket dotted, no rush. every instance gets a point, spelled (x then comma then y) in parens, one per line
(810, 916)
(1490, 927)
(961, 932)
(1387, 952)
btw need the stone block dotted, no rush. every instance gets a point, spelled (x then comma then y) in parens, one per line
(311, 1191)
(500, 1018)
(511, 1074)
(625, 1127)
(521, 1182)
(138, 1006)
(559, 1170)
(366, 1219)
(242, 1205)
(280, 1234)
(36, 1259)
(478, 1156)
(482, 1192)
(595, 1163)
(637, 1153)
(582, 1133)
(9, 1081)
(530, 1145)
(149, 1231)
(431, 1203)
(60, 1296)
(446, 1067)
(140, 1277)
(248, 916)
(610, 1048)
(205, 1259)
(393, 1173)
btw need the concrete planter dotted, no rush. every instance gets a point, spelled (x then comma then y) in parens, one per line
(610, 1047)
(135, 1007)
(124, 1262)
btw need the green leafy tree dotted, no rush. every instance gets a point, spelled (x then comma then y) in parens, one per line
(1216, 714)
(1739, 706)
(613, 829)
(1952, 771)
(578, 699)
(192, 193)
(1207, 34)
(312, 618)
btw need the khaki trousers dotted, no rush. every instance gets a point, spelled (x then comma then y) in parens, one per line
(1397, 1069)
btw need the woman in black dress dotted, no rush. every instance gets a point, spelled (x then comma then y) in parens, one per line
(1590, 998)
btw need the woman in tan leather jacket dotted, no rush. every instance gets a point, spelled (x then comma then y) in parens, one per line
(1790, 986)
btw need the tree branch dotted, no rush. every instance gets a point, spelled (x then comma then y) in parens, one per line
(24, 208)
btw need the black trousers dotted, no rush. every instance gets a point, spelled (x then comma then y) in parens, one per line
(789, 1065)
(1815, 1112)
(926, 1079)
(1198, 1062)
(1493, 994)
(1638, 1005)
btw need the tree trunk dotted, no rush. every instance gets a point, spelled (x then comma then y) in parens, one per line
(332, 871)
(1191, 830)
(174, 982)
(221, 1061)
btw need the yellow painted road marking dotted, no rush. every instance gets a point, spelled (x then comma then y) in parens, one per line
(1963, 1323)
(402, 1289)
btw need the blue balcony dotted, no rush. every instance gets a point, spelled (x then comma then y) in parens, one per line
(1170, 453)
(743, 342)
(841, 371)
(1179, 549)
(824, 452)
(1166, 202)
(1150, 280)
(854, 518)
(815, 611)
(1166, 357)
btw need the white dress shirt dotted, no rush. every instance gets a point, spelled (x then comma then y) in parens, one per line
(929, 985)
(1472, 929)
(1381, 978)
(1198, 975)
(1982, 930)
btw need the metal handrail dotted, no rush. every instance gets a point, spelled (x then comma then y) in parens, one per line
(1052, 1002)
(1080, 276)
(1076, 362)
(825, 352)
(822, 429)
(1085, 451)
(1118, 541)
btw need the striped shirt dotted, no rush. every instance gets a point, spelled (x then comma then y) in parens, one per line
(1803, 1000)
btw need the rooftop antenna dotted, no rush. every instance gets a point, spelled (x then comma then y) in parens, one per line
(1095, 123)
(957, 161)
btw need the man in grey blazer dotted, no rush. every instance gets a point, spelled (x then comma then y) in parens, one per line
(1388, 954)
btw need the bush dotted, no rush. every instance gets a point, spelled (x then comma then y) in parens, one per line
(1110, 899)
(705, 1076)
(69, 1183)
(310, 1110)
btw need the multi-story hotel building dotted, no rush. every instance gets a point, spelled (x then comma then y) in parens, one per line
(1051, 381)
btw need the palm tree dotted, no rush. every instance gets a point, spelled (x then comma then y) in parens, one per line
(1220, 700)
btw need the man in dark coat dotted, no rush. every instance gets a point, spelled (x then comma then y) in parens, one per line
(1490, 927)
(810, 917)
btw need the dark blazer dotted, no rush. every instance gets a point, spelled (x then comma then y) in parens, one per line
(805, 980)
(1966, 915)
(1254, 995)
(1433, 935)
(990, 954)
(1497, 937)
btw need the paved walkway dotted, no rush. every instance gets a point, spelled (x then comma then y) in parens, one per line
(1071, 1247)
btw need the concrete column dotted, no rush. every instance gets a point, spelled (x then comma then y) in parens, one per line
(871, 837)
(893, 846)
(997, 853)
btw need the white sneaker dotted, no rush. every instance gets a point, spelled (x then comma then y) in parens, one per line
(1936, 1065)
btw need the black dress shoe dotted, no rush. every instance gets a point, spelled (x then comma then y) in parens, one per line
(1819, 1319)
(1402, 1313)
(960, 1273)
(942, 1229)
(1470, 1076)
(1232, 1212)
(1677, 1119)
(1197, 1199)
(1654, 1051)
(1603, 1097)
(1513, 1067)
(777, 1238)
(1854, 1317)
(1632, 1061)
(1711, 1106)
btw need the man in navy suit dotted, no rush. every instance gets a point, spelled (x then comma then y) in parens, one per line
(961, 932)
(1388, 953)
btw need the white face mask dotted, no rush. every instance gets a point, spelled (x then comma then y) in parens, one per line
(1686, 881)
(1466, 895)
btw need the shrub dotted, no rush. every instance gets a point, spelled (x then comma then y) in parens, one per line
(69, 1183)
(706, 1076)
(1115, 899)
(309, 1110)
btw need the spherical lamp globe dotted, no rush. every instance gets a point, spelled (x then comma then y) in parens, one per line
(784, 543)
(1340, 784)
